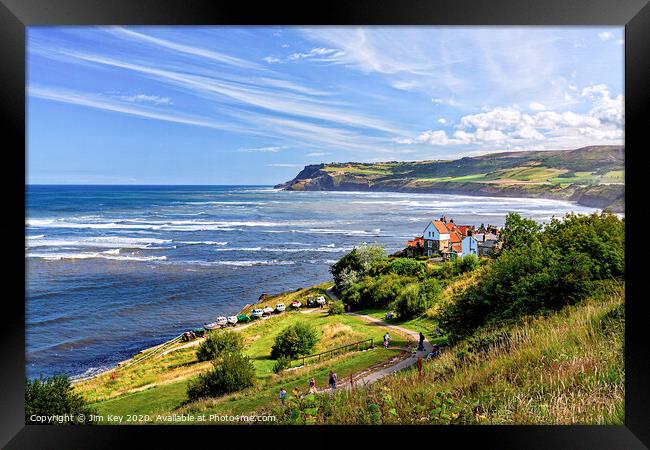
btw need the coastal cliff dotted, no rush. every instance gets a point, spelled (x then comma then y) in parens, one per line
(590, 176)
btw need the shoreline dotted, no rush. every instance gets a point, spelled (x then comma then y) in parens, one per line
(75, 379)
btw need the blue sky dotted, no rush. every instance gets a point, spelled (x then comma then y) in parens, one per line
(253, 105)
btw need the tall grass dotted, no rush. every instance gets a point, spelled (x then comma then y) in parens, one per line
(566, 368)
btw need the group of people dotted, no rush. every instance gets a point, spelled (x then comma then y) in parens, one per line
(333, 379)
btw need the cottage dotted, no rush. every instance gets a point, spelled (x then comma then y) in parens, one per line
(436, 237)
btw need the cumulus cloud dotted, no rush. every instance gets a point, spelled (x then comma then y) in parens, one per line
(442, 121)
(511, 127)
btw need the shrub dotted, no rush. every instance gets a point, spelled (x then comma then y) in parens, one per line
(297, 339)
(282, 363)
(218, 343)
(336, 308)
(231, 373)
(406, 266)
(414, 299)
(54, 396)
(468, 263)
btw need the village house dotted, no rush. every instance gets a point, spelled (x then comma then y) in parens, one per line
(450, 241)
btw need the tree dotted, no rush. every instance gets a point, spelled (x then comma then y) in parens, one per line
(519, 231)
(54, 396)
(353, 266)
(298, 339)
(232, 372)
(218, 343)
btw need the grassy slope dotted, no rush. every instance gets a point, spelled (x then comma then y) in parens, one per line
(563, 369)
(158, 384)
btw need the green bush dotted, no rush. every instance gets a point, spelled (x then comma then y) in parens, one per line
(54, 396)
(414, 299)
(218, 343)
(297, 339)
(468, 263)
(282, 363)
(406, 266)
(377, 292)
(336, 308)
(231, 373)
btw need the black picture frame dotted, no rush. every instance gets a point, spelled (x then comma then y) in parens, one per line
(16, 15)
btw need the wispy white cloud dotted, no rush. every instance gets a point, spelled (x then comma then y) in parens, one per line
(144, 98)
(262, 149)
(109, 104)
(273, 100)
(181, 48)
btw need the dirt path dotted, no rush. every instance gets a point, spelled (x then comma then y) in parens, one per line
(395, 364)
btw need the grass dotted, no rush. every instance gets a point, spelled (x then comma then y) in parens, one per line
(158, 385)
(566, 368)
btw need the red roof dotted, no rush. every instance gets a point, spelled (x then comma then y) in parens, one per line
(440, 226)
(464, 228)
(415, 242)
(457, 247)
(455, 237)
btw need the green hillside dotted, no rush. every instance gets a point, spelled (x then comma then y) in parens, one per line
(592, 176)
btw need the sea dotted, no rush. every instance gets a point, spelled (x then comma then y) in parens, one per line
(112, 270)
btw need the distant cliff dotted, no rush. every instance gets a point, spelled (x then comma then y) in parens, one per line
(590, 176)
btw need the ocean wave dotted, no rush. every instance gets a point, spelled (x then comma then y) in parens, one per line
(272, 262)
(325, 249)
(94, 255)
(202, 243)
(163, 225)
(113, 242)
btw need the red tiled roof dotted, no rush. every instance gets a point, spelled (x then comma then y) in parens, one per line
(455, 237)
(463, 229)
(415, 242)
(440, 226)
(457, 247)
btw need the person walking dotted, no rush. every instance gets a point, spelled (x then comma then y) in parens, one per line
(421, 344)
(283, 395)
(312, 386)
(333, 379)
(386, 339)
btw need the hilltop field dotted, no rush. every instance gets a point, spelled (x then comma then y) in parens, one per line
(590, 176)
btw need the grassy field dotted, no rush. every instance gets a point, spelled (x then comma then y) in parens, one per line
(566, 368)
(158, 384)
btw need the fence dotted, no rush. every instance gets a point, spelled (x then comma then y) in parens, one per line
(332, 352)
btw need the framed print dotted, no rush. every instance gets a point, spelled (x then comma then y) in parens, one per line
(372, 219)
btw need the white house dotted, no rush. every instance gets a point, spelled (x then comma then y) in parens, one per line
(436, 237)
(469, 245)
